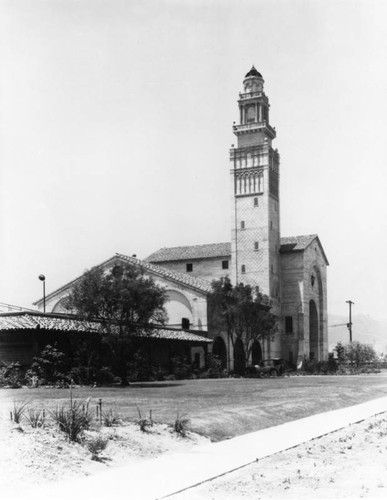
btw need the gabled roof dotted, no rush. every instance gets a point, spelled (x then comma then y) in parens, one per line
(191, 252)
(296, 243)
(300, 244)
(180, 278)
(33, 321)
(193, 282)
(213, 250)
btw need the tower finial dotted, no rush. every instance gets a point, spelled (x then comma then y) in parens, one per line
(253, 72)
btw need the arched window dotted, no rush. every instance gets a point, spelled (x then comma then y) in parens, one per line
(255, 201)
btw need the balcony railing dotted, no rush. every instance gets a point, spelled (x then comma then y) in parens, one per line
(255, 125)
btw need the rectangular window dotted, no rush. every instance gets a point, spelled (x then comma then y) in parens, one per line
(243, 269)
(256, 245)
(224, 264)
(289, 324)
(189, 268)
(243, 224)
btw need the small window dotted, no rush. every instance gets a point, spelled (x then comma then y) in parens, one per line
(243, 269)
(271, 224)
(189, 268)
(256, 245)
(272, 268)
(185, 323)
(255, 201)
(224, 264)
(243, 224)
(289, 324)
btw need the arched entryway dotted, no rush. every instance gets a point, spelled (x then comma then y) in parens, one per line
(256, 353)
(313, 331)
(219, 349)
(239, 357)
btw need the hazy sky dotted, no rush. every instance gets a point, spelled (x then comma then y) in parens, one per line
(115, 129)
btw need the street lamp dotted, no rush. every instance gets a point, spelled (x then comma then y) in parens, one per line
(43, 278)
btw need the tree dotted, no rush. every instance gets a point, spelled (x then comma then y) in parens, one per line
(340, 352)
(243, 312)
(125, 301)
(359, 354)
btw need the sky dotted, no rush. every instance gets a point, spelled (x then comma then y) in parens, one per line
(116, 124)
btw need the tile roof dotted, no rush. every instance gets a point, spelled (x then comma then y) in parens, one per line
(182, 278)
(288, 244)
(296, 243)
(191, 252)
(198, 284)
(66, 323)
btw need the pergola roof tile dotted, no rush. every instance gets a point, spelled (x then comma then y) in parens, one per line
(23, 321)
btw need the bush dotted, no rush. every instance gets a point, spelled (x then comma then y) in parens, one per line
(36, 418)
(73, 420)
(19, 409)
(11, 375)
(96, 444)
(110, 418)
(314, 367)
(181, 425)
(144, 423)
(51, 367)
(181, 367)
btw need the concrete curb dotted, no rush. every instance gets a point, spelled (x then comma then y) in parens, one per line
(170, 474)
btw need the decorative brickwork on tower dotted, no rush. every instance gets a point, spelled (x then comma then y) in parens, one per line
(255, 237)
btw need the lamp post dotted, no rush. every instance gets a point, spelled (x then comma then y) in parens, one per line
(43, 278)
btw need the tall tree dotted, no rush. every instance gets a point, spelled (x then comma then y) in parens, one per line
(243, 312)
(125, 301)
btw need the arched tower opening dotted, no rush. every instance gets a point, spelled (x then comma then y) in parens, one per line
(313, 331)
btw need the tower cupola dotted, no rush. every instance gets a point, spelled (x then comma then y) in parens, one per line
(253, 81)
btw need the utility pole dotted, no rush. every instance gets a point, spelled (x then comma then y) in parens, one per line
(350, 303)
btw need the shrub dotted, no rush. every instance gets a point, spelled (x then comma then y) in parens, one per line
(358, 354)
(73, 419)
(181, 368)
(11, 375)
(36, 418)
(144, 423)
(51, 366)
(19, 409)
(96, 444)
(180, 425)
(110, 418)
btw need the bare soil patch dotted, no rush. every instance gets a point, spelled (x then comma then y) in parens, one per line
(350, 463)
(38, 456)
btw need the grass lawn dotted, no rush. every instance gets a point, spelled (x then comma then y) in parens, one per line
(221, 408)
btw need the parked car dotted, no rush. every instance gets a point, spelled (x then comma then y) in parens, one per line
(270, 368)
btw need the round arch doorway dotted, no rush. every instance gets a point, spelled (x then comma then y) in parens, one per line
(239, 357)
(219, 349)
(256, 353)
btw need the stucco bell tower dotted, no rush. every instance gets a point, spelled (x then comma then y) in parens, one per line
(255, 238)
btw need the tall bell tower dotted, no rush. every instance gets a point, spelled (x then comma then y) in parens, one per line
(255, 238)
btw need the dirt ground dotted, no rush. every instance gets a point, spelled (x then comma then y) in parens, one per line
(37, 456)
(350, 463)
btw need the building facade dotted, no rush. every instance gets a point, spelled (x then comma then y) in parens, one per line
(292, 271)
